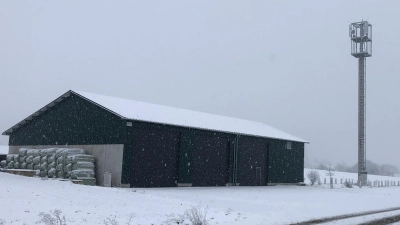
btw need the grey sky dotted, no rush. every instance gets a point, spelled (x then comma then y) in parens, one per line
(284, 63)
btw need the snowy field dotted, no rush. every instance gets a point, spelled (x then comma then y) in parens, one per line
(23, 198)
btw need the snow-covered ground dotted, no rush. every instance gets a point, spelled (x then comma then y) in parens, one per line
(3, 149)
(23, 198)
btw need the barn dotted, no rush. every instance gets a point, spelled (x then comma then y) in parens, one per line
(148, 145)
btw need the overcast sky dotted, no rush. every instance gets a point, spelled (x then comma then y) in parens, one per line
(283, 63)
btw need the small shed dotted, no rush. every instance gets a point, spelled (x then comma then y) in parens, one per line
(148, 145)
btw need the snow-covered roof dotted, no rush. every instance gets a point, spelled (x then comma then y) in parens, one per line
(3, 149)
(142, 111)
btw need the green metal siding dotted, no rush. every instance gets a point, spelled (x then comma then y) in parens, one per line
(285, 165)
(73, 121)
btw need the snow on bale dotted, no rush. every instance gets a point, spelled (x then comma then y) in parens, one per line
(42, 152)
(29, 159)
(72, 151)
(29, 152)
(54, 163)
(16, 158)
(22, 152)
(51, 151)
(68, 167)
(51, 159)
(77, 174)
(22, 159)
(81, 158)
(52, 173)
(83, 165)
(3, 163)
(36, 166)
(10, 165)
(43, 159)
(36, 160)
(60, 160)
(36, 153)
(51, 165)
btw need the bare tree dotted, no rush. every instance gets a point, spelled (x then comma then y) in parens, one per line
(313, 176)
(330, 173)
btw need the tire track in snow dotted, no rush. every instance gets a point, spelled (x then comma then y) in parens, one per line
(346, 216)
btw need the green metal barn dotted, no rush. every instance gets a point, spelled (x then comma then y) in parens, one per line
(148, 145)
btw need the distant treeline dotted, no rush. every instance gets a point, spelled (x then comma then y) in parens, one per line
(372, 168)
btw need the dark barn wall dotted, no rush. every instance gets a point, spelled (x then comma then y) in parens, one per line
(155, 158)
(73, 121)
(202, 158)
(286, 165)
(252, 161)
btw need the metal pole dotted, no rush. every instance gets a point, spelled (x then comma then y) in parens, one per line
(362, 172)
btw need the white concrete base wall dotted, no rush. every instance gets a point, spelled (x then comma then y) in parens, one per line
(108, 159)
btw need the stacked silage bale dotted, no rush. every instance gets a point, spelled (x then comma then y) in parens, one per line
(51, 162)
(70, 163)
(82, 168)
(22, 157)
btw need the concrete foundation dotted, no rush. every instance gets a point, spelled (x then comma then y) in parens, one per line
(108, 159)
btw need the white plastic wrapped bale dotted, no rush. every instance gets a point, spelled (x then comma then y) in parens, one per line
(36, 160)
(77, 174)
(29, 159)
(43, 166)
(43, 152)
(51, 159)
(36, 153)
(83, 165)
(10, 165)
(43, 159)
(59, 167)
(51, 173)
(36, 166)
(51, 165)
(60, 160)
(23, 166)
(29, 152)
(58, 152)
(60, 174)
(3, 163)
(22, 159)
(10, 157)
(68, 175)
(68, 167)
(29, 166)
(72, 151)
(81, 158)
(16, 158)
(51, 151)
(22, 152)
(17, 165)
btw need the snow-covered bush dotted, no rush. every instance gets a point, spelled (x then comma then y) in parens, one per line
(313, 176)
(196, 215)
(348, 184)
(53, 218)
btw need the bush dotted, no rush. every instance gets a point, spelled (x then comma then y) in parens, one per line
(196, 215)
(53, 218)
(313, 176)
(348, 184)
